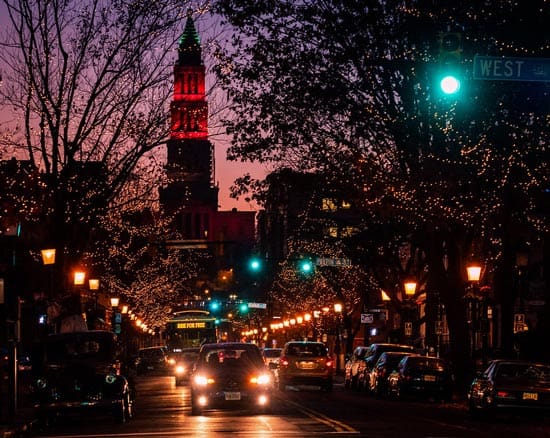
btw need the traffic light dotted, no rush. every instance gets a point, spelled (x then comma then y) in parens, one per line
(255, 264)
(305, 266)
(450, 60)
(214, 306)
(243, 307)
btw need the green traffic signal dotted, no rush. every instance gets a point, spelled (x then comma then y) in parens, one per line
(243, 308)
(450, 84)
(305, 266)
(214, 306)
(255, 264)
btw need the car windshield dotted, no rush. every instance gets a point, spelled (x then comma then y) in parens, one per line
(272, 353)
(426, 363)
(89, 347)
(524, 371)
(307, 350)
(231, 357)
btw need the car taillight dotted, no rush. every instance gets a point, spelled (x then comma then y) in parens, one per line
(504, 394)
(283, 361)
(329, 363)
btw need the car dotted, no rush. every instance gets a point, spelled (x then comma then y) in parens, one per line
(80, 372)
(152, 360)
(230, 374)
(271, 357)
(378, 377)
(182, 362)
(371, 356)
(513, 386)
(306, 363)
(423, 377)
(352, 365)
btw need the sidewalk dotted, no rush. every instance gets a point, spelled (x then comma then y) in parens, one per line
(19, 425)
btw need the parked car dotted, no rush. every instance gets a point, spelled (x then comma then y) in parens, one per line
(371, 357)
(306, 362)
(152, 360)
(378, 377)
(271, 357)
(80, 371)
(512, 386)
(231, 374)
(422, 376)
(182, 363)
(351, 366)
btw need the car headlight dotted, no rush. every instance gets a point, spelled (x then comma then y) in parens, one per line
(180, 369)
(172, 361)
(262, 379)
(201, 380)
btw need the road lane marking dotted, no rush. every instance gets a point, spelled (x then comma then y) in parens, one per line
(338, 426)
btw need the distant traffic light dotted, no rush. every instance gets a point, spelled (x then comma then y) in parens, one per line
(214, 306)
(305, 266)
(450, 69)
(255, 264)
(243, 307)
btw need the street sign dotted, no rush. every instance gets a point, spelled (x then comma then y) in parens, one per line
(328, 261)
(500, 68)
(367, 318)
(257, 305)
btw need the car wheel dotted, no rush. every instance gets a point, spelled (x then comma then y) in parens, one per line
(353, 384)
(346, 382)
(195, 409)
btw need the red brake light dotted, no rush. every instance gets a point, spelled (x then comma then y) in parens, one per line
(329, 363)
(283, 361)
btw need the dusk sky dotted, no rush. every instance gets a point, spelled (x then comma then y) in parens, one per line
(225, 172)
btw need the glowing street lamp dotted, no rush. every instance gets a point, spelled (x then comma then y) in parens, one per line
(48, 256)
(410, 288)
(79, 277)
(473, 272)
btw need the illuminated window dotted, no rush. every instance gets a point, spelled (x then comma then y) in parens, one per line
(346, 205)
(328, 204)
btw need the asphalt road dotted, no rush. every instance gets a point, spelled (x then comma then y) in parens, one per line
(163, 410)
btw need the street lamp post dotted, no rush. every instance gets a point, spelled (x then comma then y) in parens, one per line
(338, 350)
(476, 312)
(410, 290)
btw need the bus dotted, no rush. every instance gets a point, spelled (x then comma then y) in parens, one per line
(190, 329)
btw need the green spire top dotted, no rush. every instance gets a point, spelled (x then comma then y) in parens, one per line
(189, 44)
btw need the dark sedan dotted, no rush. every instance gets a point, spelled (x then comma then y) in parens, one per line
(512, 386)
(422, 376)
(80, 371)
(231, 374)
(378, 377)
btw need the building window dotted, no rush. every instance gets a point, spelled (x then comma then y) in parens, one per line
(328, 204)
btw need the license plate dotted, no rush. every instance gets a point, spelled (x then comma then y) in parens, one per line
(530, 396)
(429, 378)
(306, 365)
(232, 395)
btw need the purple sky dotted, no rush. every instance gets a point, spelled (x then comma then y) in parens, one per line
(225, 172)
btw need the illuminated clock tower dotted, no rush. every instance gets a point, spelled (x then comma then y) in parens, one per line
(190, 194)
